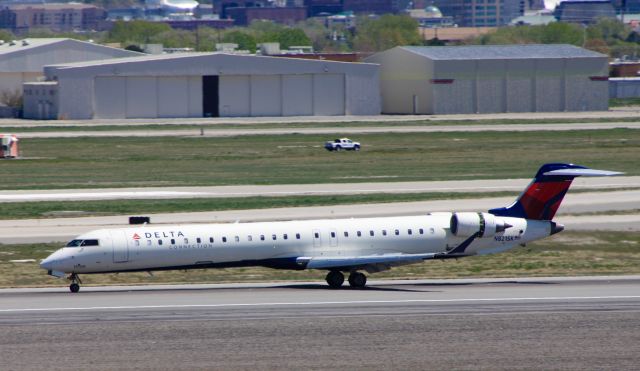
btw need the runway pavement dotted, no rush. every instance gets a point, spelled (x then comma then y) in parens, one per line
(469, 186)
(499, 324)
(63, 229)
(612, 113)
(330, 130)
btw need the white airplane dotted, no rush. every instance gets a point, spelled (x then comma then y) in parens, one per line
(335, 245)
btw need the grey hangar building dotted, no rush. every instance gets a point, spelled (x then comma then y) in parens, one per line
(402, 80)
(203, 85)
(492, 79)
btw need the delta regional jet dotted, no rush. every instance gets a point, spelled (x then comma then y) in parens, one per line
(336, 245)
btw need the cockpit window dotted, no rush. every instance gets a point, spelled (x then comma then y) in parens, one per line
(76, 243)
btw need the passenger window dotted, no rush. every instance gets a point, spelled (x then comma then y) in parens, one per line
(346, 234)
(159, 242)
(149, 243)
(211, 239)
(317, 235)
(371, 233)
(137, 243)
(249, 238)
(333, 234)
(421, 231)
(297, 236)
(432, 231)
(186, 241)
(409, 231)
(237, 238)
(173, 242)
(198, 240)
(273, 237)
(261, 237)
(359, 234)
(384, 232)
(285, 236)
(397, 232)
(224, 239)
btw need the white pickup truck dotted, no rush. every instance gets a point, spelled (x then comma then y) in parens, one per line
(342, 143)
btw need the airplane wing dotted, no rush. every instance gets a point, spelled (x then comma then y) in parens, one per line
(382, 262)
(370, 263)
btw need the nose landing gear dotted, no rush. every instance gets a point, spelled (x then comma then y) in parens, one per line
(75, 283)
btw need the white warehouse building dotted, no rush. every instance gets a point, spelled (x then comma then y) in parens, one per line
(23, 60)
(203, 85)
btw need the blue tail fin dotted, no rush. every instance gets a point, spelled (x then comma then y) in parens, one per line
(543, 196)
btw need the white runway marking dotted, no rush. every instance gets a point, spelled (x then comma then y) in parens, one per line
(355, 302)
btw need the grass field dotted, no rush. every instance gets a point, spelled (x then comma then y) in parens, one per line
(565, 254)
(282, 159)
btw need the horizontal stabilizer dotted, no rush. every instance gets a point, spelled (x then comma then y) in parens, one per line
(581, 172)
(543, 196)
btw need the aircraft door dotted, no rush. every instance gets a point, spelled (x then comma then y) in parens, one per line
(120, 247)
(317, 238)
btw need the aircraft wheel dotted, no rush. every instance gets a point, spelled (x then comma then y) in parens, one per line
(74, 287)
(357, 279)
(335, 279)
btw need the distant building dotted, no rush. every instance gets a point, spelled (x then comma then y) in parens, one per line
(430, 17)
(205, 85)
(53, 16)
(243, 16)
(584, 11)
(370, 6)
(323, 7)
(627, 6)
(220, 6)
(481, 13)
(454, 34)
(492, 79)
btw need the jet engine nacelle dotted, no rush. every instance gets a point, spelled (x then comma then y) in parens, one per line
(468, 224)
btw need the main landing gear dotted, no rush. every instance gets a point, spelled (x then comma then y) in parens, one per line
(335, 279)
(75, 283)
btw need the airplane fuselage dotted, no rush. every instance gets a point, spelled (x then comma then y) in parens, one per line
(276, 244)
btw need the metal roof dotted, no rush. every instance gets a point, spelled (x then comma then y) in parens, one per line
(15, 46)
(502, 52)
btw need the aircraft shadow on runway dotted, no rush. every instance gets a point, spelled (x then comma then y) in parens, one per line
(311, 286)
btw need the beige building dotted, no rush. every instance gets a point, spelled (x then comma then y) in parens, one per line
(491, 79)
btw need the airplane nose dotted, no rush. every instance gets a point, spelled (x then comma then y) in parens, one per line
(54, 261)
(47, 263)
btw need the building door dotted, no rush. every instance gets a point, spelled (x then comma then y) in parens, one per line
(210, 96)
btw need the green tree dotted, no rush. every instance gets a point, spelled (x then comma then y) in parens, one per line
(245, 40)
(140, 32)
(388, 31)
(553, 33)
(609, 29)
(292, 37)
(175, 39)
